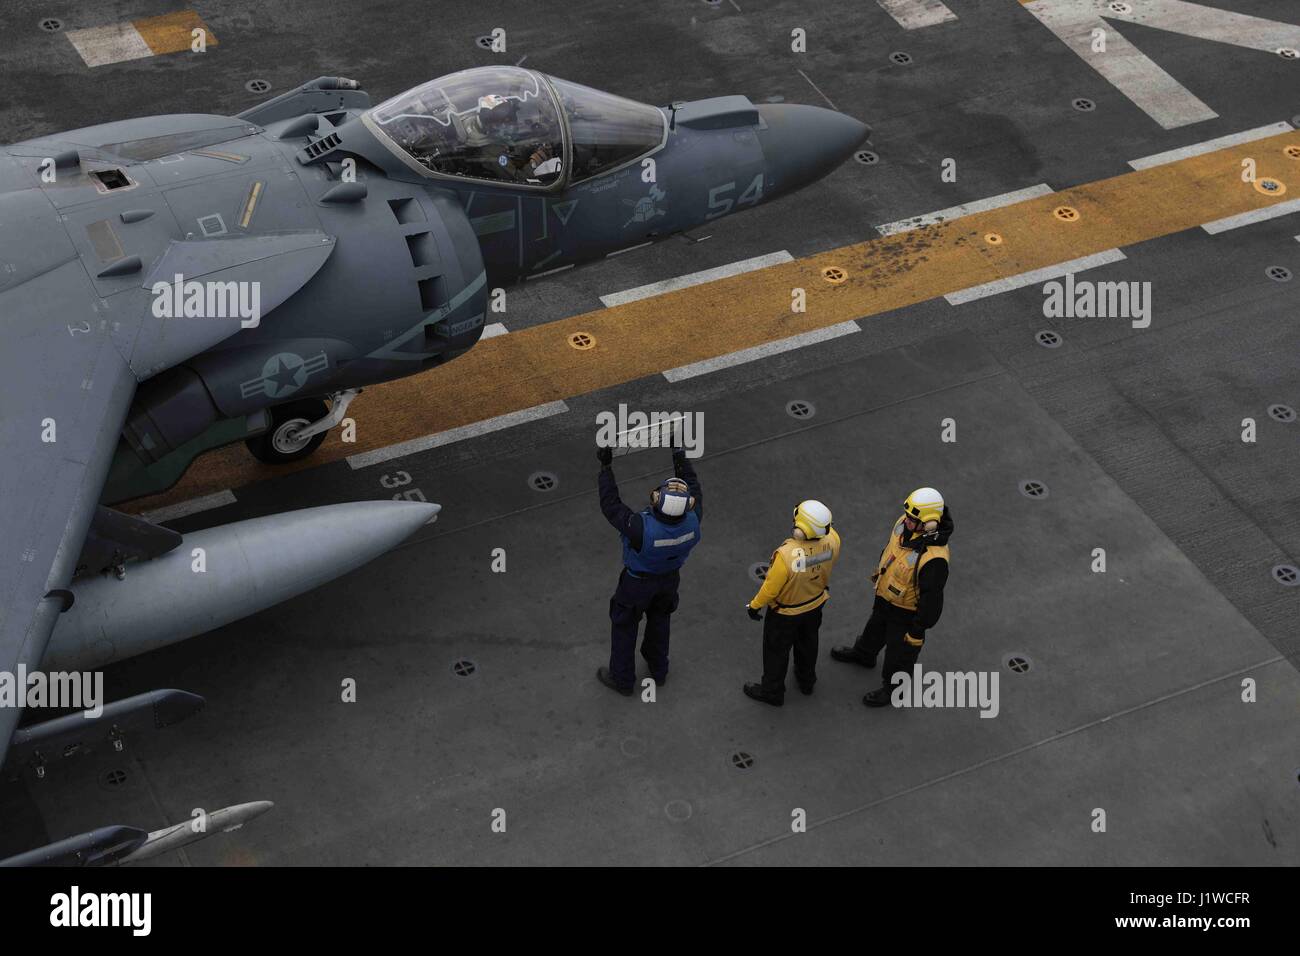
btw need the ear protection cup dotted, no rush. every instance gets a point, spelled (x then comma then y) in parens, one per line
(930, 526)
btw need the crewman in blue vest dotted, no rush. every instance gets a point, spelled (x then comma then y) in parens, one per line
(656, 542)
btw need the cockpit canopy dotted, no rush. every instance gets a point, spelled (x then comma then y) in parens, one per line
(504, 125)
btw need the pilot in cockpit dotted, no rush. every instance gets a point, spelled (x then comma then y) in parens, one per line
(511, 135)
(511, 139)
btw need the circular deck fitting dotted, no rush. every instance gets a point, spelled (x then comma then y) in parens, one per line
(543, 481)
(1288, 53)
(1017, 663)
(834, 275)
(1066, 213)
(51, 25)
(1283, 413)
(582, 341)
(1293, 151)
(993, 239)
(113, 778)
(1083, 104)
(758, 570)
(484, 42)
(464, 667)
(741, 760)
(632, 747)
(1033, 488)
(1278, 273)
(901, 58)
(679, 811)
(1270, 186)
(866, 157)
(257, 86)
(1286, 574)
(1049, 339)
(1119, 6)
(800, 408)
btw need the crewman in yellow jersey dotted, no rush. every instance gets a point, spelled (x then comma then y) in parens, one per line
(909, 580)
(795, 588)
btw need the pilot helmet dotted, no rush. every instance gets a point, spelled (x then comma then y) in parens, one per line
(496, 111)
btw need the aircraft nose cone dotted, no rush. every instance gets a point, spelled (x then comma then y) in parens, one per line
(804, 143)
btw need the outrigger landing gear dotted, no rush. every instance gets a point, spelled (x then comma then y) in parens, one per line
(298, 428)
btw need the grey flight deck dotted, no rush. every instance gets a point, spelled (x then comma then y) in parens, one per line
(1145, 722)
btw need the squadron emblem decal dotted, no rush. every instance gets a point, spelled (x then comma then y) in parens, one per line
(647, 207)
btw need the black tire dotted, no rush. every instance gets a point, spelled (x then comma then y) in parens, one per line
(274, 446)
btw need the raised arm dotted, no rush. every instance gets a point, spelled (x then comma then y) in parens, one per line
(620, 516)
(683, 469)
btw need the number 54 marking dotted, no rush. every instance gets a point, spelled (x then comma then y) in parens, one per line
(720, 205)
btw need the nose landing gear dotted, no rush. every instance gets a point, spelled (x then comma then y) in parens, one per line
(298, 428)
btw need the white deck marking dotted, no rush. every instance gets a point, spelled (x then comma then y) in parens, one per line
(696, 278)
(550, 272)
(1207, 23)
(619, 252)
(819, 90)
(493, 330)
(185, 508)
(648, 435)
(115, 43)
(1134, 74)
(1127, 68)
(473, 430)
(1250, 218)
(1210, 145)
(1033, 277)
(965, 209)
(915, 14)
(696, 369)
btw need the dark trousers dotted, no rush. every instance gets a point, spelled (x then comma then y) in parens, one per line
(783, 633)
(886, 629)
(656, 598)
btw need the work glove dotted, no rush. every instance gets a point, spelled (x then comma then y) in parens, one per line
(679, 455)
(605, 456)
(754, 613)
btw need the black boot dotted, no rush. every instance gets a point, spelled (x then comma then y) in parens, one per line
(806, 689)
(877, 698)
(756, 692)
(848, 654)
(605, 677)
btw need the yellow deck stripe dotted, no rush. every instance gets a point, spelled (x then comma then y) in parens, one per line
(172, 32)
(537, 365)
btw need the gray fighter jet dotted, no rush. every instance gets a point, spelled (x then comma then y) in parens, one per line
(175, 283)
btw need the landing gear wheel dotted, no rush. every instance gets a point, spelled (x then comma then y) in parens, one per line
(277, 445)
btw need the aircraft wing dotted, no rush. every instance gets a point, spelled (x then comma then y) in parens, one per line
(64, 393)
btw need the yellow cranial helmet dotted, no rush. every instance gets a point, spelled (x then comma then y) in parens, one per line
(812, 518)
(924, 504)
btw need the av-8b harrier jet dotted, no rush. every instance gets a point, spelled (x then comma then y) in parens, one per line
(175, 283)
